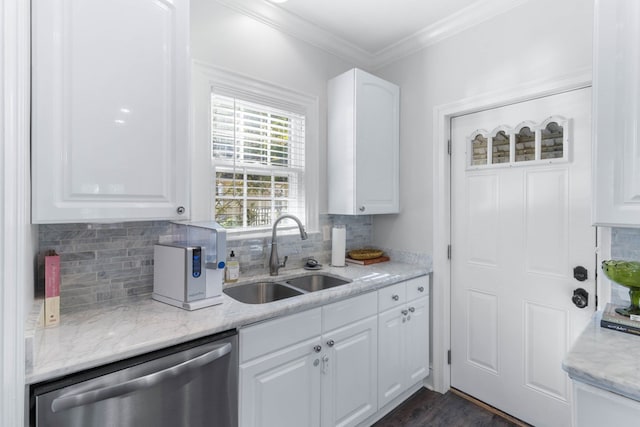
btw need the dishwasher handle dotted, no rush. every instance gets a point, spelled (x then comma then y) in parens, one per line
(88, 397)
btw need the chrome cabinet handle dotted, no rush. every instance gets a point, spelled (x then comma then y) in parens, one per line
(330, 343)
(317, 348)
(421, 289)
(71, 401)
(405, 312)
(395, 297)
(362, 208)
(412, 309)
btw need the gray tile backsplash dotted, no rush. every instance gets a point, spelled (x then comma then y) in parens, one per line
(625, 244)
(109, 262)
(102, 262)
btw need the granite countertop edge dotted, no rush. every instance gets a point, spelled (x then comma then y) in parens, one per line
(95, 337)
(606, 359)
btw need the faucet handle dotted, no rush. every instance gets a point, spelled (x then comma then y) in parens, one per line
(284, 261)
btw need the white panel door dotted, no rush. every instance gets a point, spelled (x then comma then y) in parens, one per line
(350, 373)
(391, 345)
(616, 113)
(377, 149)
(282, 388)
(110, 110)
(520, 224)
(417, 341)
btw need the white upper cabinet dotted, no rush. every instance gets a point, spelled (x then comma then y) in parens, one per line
(363, 144)
(616, 83)
(110, 110)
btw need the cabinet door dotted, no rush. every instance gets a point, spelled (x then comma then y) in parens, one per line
(282, 388)
(349, 381)
(616, 98)
(391, 345)
(594, 407)
(110, 110)
(363, 144)
(417, 340)
(377, 145)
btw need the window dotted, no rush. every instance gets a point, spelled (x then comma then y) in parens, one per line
(527, 144)
(258, 154)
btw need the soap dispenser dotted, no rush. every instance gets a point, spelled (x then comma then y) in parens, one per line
(233, 269)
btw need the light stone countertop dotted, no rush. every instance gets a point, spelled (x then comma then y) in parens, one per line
(91, 338)
(606, 359)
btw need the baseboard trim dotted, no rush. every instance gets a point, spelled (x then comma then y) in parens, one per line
(391, 405)
(489, 408)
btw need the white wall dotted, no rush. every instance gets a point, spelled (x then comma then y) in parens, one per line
(539, 40)
(229, 40)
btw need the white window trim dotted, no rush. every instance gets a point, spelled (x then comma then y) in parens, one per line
(206, 78)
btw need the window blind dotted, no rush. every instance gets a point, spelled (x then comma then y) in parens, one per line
(258, 153)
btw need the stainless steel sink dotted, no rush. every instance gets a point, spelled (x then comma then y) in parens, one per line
(316, 282)
(261, 292)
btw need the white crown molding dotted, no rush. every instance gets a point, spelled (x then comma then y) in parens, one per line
(456, 23)
(273, 16)
(269, 14)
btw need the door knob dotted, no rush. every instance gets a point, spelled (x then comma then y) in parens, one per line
(580, 298)
(580, 273)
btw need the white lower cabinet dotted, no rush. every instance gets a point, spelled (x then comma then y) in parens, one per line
(282, 389)
(338, 364)
(403, 338)
(280, 372)
(315, 368)
(595, 407)
(349, 364)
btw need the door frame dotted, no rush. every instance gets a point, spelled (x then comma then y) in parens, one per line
(442, 115)
(16, 233)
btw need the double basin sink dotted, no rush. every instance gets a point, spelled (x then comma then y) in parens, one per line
(264, 292)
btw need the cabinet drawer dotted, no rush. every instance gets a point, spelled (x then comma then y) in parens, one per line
(417, 287)
(350, 310)
(392, 296)
(275, 334)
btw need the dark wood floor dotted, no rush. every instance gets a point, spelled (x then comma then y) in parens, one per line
(428, 408)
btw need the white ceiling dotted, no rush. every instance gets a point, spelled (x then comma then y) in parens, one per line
(372, 32)
(374, 25)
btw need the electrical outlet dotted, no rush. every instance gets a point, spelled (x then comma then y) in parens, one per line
(326, 233)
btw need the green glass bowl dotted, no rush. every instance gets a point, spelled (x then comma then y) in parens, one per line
(625, 273)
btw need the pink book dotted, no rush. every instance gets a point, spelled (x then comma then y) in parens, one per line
(51, 290)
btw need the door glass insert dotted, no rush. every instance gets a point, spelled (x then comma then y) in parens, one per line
(528, 143)
(501, 148)
(479, 150)
(552, 141)
(525, 145)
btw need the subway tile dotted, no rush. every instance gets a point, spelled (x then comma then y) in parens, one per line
(111, 262)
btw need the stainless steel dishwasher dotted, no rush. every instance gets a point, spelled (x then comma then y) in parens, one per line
(192, 384)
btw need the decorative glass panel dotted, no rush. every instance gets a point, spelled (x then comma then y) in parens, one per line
(525, 145)
(501, 148)
(479, 149)
(552, 142)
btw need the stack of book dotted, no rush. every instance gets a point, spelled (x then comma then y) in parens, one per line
(612, 320)
(376, 260)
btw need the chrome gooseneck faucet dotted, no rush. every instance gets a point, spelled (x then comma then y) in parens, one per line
(274, 262)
